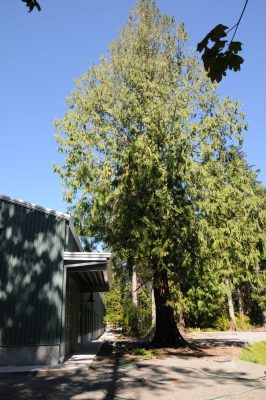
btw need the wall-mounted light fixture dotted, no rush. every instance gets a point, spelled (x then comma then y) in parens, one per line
(90, 300)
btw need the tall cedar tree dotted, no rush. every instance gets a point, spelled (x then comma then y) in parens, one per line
(140, 126)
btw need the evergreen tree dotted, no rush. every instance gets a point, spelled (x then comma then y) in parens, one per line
(233, 224)
(142, 130)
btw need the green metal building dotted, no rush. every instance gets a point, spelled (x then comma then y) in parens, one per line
(50, 290)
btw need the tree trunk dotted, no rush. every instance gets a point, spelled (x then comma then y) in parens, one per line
(134, 287)
(240, 303)
(166, 331)
(153, 310)
(181, 321)
(134, 320)
(233, 326)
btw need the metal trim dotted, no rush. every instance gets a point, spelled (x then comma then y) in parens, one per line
(33, 206)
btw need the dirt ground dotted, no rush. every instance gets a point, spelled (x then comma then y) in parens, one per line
(205, 345)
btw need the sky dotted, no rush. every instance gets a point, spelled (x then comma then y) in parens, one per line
(41, 53)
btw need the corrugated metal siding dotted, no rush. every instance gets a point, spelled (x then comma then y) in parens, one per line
(31, 275)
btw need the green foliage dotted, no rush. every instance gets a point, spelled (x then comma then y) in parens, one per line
(154, 168)
(135, 321)
(114, 307)
(222, 323)
(133, 318)
(233, 224)
(255, 353)
(139, 142)
(216, 61)
(144, 311)
(138, 318)
(257, 301)
(203, 329)
(243, 322)
(146, 353)
(203, 301)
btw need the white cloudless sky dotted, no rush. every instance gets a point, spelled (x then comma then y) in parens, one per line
(42, 52)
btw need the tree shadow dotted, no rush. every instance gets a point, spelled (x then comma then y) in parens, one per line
(111, 377)
(31, 278)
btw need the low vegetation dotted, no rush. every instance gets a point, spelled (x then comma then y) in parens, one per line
(256, 353)
(223, 323)
(145, 353)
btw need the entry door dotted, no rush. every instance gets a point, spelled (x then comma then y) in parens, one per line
(71, 331)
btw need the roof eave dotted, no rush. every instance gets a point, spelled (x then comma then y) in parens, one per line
(33, 206)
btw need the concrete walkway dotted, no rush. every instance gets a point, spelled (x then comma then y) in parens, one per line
(76, 362)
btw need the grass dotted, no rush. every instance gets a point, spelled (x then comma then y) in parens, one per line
(203, 330)
(145, 353)
(255, 353)
(223, 324)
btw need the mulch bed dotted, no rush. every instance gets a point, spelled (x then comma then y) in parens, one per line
(121, 351)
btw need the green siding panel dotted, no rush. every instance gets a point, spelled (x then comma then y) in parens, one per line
(31, 275)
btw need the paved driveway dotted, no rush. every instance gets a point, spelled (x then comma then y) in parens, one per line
(245, 337)
(182, 377)
(169, 378)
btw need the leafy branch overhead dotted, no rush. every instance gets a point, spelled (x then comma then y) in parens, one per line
(216, 60)
(31, 4)
(222, 54)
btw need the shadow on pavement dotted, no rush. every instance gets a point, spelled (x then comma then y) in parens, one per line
(111, 377)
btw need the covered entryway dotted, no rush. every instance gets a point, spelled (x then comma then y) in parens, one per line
(87, 275)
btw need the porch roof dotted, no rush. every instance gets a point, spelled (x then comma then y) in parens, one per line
(94, 270)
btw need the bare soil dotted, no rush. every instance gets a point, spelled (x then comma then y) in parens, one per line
(200, 345)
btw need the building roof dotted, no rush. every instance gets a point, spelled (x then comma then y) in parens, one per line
(33, 206)
(45, 210)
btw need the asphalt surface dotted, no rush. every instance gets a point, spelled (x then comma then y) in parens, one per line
(171, 377)
(248, 337)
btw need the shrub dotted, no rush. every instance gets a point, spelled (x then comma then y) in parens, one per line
(243, 322)
(222, 323)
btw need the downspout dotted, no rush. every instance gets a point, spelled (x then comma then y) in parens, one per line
(63, 312)
(92, 320)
